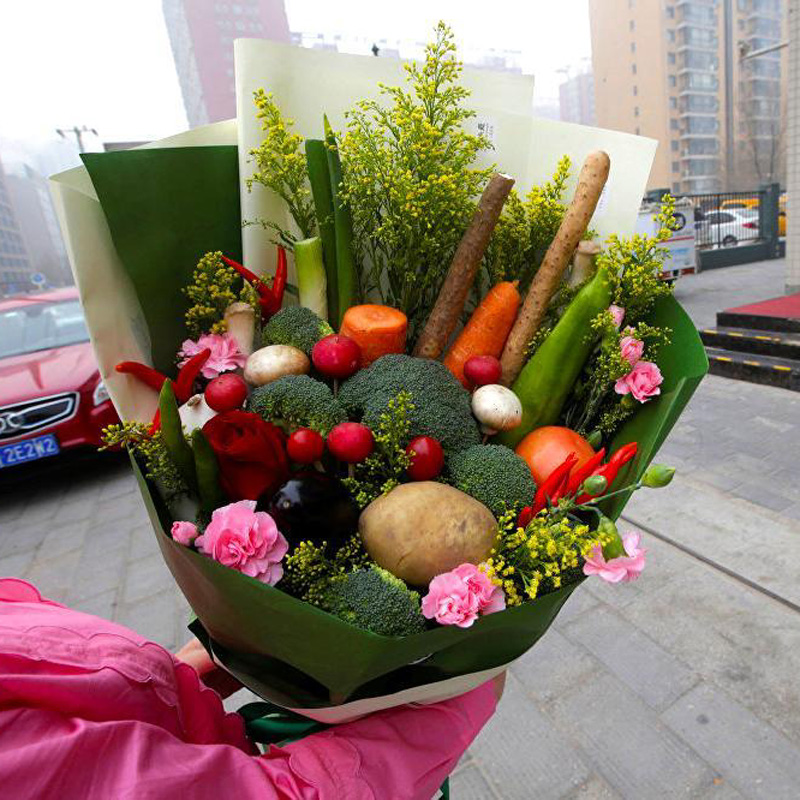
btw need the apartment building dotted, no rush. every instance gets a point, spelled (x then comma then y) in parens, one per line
(14, 265)
(576, 99)
(673, 70)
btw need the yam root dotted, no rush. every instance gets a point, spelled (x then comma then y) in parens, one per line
(592, 179)
(467, 260)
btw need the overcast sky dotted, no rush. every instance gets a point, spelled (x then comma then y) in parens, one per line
(108, 63)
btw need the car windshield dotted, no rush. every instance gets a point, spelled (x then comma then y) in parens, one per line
(41, 326)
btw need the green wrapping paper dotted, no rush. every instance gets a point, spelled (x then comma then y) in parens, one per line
(164, 209)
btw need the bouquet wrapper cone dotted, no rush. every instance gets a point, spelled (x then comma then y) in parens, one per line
(135, 224)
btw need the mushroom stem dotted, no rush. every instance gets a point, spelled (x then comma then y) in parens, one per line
(583, 262)
(240, 320)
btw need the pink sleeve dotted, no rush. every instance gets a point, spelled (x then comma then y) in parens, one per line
(404, 753)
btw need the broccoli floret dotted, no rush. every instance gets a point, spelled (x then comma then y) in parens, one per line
(375, 600)
(295, 325)
(441, 404)
(300, 401)
(494, 475)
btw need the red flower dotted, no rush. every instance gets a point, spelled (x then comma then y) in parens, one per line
(251, 454)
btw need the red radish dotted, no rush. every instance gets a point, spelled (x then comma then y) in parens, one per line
(482, 370)
(336, 356)
(351, 442)
(226, 392)
(427, 458)
(305, 446)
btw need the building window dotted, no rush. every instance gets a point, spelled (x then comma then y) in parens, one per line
(673, 124)
(635, 91)
(671, 35)
(636, 111)
(675, 145)
(670, 12)
(676, 166)
(670, 58)
(638, 130)
(632, 25)
(633, 68)
(673, 81)
(633, 47)
(673, 102)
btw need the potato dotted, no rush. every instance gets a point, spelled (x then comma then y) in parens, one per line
(422, 529)
(273, 362)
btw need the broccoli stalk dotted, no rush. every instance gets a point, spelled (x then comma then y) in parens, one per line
(375, 600)
(494, 475)
(297, 326)
(299, 401)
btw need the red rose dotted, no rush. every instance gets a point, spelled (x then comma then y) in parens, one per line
(251, 454)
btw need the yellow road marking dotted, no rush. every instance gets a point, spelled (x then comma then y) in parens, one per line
(733, 333)
(722, 358)
(753, 363)
(782, 369)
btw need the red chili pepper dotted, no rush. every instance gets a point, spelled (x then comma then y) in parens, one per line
(553, 487)
(188, 374)
(147, 375)
(580, 474)
(610, 470)
(269, 299)
(525, 516)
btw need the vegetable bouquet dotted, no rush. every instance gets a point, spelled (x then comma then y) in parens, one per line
(382, 442)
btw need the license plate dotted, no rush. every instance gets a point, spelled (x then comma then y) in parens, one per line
(28, 450)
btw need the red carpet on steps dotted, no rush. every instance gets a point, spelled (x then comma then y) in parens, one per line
(786, 307)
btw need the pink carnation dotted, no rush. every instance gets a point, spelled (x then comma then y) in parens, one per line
(225, 353)
(642, 381)
(246, 540)
(631, 348)
(618, 313)
(457, 597)
(184, 532)
(620, 569)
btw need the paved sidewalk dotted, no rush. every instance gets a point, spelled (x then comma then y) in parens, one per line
(681, 685)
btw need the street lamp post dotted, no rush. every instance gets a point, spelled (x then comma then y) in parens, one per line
(77, 133)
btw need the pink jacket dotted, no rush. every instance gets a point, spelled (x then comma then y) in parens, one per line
(89, 709)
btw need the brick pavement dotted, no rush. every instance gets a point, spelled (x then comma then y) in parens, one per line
(680, 685)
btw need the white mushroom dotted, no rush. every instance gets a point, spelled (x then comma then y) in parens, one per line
(273, 362)
(195, 412)
(583, 262)
(240, 320)
(496, 408)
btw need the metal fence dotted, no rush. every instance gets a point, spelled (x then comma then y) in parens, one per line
(727, 219)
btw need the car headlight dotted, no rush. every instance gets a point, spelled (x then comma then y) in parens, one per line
(100, 394)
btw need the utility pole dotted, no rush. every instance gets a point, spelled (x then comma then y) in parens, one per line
(77, 133)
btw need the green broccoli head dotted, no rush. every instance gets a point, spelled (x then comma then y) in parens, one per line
(298, 400)
(297, 326)
(375, 600)
(494, 475)
(442, 406)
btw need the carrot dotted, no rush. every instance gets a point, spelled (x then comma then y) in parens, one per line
(464, 267)
(377, 330)
(592, 179)
(487, 329)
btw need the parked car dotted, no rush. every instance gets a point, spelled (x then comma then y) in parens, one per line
(753, 203)
(727, 227)
(51, 396)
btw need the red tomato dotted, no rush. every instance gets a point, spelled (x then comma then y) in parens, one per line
(350, 442)
(226, 392)
(546, 448)
(305, 446)
(427, 458)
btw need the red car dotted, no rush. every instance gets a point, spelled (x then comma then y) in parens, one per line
(51, 395)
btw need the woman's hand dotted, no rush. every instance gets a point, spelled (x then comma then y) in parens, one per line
(195, 655)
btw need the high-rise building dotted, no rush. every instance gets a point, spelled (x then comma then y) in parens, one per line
(14, 266)
(576, 99)
(38, 226)
(672, 70)
(201, 33)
